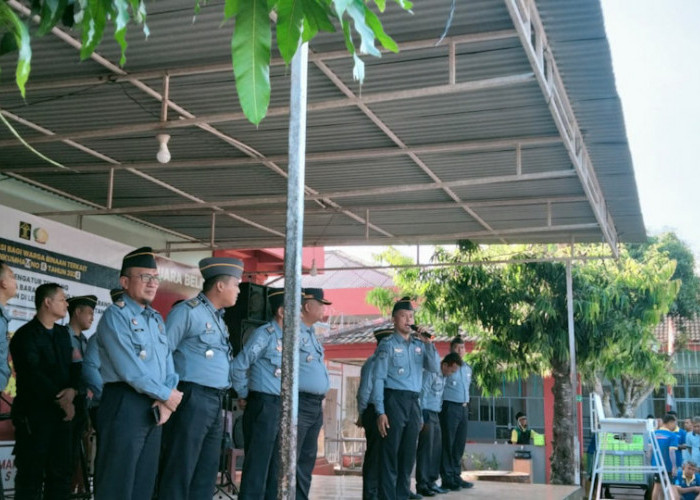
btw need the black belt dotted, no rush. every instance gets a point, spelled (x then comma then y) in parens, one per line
(315, 397)
(411, 394)
(192, 385)
(261, 395)
(455, 403)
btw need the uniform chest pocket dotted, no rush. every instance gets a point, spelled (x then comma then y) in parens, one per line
(143, 345)
(211, 339)
(274, 356)
(438, 385)
(399, 363)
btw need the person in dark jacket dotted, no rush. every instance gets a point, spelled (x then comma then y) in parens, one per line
(47, 382)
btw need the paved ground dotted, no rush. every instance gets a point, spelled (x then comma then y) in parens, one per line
(350, 487)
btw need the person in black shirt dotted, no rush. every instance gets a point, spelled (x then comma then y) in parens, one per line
(47, 382)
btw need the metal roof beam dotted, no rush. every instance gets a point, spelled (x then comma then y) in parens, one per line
(335, 79)
(192, 120)
(533, 37)
(584, 230)
(514, 143)
(227, 68)
(279, 199)
(446, 205)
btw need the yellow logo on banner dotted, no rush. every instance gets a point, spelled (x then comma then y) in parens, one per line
(25, 230)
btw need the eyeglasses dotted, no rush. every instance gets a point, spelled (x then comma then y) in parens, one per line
(147, 278)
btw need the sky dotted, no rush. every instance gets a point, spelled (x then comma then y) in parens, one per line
(655, 46)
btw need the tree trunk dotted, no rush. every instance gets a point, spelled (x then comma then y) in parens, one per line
(562, 458)
(604, 396)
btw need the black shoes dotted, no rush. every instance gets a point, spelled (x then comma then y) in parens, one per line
(465, 484)
(426, 491)
(437, 489)
(414, 496)
(451, 486)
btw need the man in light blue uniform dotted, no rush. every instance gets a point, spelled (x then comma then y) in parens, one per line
(398, 378)
(140, 392)
(8, 289)
(198, 339)
(453, 422)
(91, 368)
(430, 437)
(81, 313)
(368, 420)
(257, 372)
(313, 386)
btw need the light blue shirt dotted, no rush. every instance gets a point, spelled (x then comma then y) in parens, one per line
(258, 367)
(313, 376)
(4, 348)
(457, 385)
(133, 348)
(364, 391)
(198, 339)
(91, 371)
(431, 392)
(400, 365)
(693, 442)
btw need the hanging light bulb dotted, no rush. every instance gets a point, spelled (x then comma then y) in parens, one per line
(163, 155)
(314, 270)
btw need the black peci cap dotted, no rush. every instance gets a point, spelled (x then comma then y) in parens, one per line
(141, 257)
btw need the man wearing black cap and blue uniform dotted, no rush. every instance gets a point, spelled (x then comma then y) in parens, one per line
(257, 371)
(198, 339)
(398, 377)
(454, 418)
(368, 420)
(140, 382)
(313, 386)
(81, 312)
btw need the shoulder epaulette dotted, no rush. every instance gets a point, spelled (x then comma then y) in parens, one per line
(193, 302)
(270, 329)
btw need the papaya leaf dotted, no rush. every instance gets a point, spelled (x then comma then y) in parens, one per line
(309, 31)
(358, 69)
(68, 17)
(10, 21)
(51, 13)
(405, 5)
(8, 43)
(121, 20)
(317, 15)
(289, 22)
(356, 10)
(376, 26)
(381, 5)
(94, 21)
(231, 8)
(250, 51)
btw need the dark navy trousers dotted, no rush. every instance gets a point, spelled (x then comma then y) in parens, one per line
(398, 448)
(429, 450)
(127, 455)
(370, 464)
(43, 457)
(261, 419)
(309, 425)
(192, 441)
(453, 421)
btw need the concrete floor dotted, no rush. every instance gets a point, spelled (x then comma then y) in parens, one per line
(350, 487)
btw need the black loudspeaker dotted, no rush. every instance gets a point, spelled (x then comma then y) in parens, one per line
(249, 312)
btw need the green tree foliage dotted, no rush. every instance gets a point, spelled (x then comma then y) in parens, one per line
(297, 21)
(518, 314)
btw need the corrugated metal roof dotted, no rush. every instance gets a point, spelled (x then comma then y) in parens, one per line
(488, 142)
